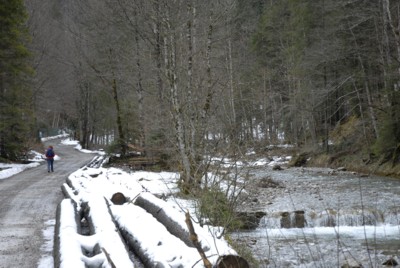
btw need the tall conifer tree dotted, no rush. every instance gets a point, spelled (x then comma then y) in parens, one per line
(15, 69)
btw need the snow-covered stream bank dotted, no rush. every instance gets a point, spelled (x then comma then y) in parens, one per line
(343, 217)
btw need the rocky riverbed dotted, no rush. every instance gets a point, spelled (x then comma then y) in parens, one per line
(318, 217)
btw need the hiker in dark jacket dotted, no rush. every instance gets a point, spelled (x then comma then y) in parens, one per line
(50, 158)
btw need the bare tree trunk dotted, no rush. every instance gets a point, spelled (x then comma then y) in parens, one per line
(231, 85)
(177, 109)
(246, 121)
(395, 31)
(139, 88)
(268, 102)
(312, 127)
(210, 92)
(158, 54)
(385, 49)
(265, 108)
(84, 113)
(191, 144)
(367, 89)
(121, 138)
(361, 113)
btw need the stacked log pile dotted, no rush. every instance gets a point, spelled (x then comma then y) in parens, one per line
(147, 227)
(103, 245)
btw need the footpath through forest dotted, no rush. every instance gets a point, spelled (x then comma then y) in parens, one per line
(27, 201)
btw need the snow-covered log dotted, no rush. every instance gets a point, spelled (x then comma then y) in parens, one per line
(151, 241)
(69, 245)
(67, 249)
(102, 226)
(159, 209)
(66, 190)
(73, 184)
(69, 193)
(214, 248)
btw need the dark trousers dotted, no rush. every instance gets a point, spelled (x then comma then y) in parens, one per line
(50, 165)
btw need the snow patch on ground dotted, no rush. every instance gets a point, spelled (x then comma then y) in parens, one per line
(8, 170)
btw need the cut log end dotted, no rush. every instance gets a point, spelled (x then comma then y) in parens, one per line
(231, 261)
(118, 199)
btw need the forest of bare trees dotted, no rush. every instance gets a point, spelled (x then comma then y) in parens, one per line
(187, 78)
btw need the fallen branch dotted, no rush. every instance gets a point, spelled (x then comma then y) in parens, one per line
(195, 241)
(108, 258)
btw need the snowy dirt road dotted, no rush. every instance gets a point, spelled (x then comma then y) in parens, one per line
(27, 201)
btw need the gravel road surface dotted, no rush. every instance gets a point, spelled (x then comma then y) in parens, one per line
(27, 201)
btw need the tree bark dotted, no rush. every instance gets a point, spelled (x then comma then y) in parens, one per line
(139, 87)
(173, 226)
(231, 84)
(150, 253)
(176, 107)
(157, 48)
(121, 138)
(191, 109)
(84, 113)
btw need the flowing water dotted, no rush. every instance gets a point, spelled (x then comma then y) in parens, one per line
(325, 218)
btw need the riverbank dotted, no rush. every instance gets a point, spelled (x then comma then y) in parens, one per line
(352, 161)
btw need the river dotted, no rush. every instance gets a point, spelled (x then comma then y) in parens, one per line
(319, 217)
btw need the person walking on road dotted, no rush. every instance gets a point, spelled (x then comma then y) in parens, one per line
(50, 158)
